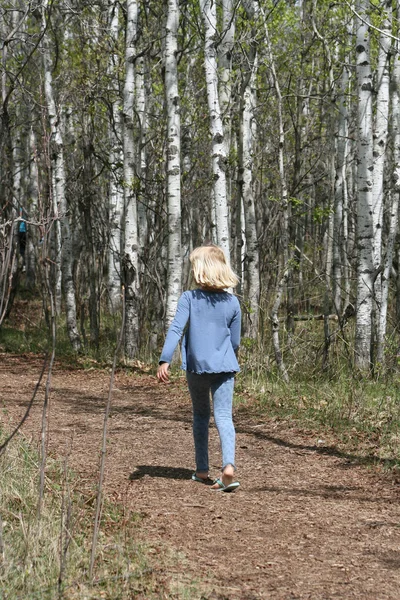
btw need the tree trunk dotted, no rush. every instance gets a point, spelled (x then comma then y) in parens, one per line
(340, 182)
(141, 73)
(174, 274)
(116, 193)
(365, 229)
(248, 135)
(130, 261)
(394, 198)
(381, 131)
(219, 192)
(284, 209)
(225, 49)
(58, 181)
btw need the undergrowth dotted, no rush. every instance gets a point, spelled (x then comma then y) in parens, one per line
(359, 413)
(362, 412)
(48, 558)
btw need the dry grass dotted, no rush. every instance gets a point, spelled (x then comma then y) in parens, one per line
(49, 558)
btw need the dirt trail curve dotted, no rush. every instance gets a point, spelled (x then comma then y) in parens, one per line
(306, 523)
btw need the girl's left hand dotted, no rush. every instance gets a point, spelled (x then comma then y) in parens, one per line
(162, 372)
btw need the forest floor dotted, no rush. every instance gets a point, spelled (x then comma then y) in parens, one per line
(308, 521)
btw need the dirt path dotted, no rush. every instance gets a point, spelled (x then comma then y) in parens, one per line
(306, 523)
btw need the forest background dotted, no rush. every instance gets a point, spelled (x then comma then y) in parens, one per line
(134, 131)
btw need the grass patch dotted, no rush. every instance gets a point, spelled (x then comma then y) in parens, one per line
(362, 416)
(25, 331)
(49, 558)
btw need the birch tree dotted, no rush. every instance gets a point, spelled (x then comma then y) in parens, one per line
(142, 119)
(261, 107)
(248, 137)
(33, 195)
(365, 169)
(394, 200)
(381, 131)
(340, 261)
(9, 34)
(225, 49)
(58, 189)
(130, 259)
(116, 195)
(219, 196)
(173, 161)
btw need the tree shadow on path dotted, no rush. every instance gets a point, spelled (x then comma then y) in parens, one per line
(151, 406)
(351, 459)
(327, 492)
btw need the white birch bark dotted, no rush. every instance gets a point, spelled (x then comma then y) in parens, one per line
(17, 169)
(275, 326)
(16, 134)
(17, 196)
(340, 260)
(394, 203)
(365, 229)
(225, 66)
(56, 243)
(349, 208)
(174, 273)
(58, 181)
(194, 226)
(142, 118)
(8, 33)
(225, 48)
(130, 261)
(189, 121)
(219, 192)
(381, 131)
(347, 242)
(33, 195)
(339, 254)
(116, 194)
(248, 132)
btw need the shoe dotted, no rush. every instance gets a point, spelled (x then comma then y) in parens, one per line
(206, 481)
(226, 488)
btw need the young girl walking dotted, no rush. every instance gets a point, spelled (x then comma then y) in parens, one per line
(212, 319)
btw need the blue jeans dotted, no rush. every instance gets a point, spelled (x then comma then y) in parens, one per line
(221, 387)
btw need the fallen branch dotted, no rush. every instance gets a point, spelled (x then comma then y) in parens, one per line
(99, 499)
(311, 318)
(26, 415)
(46, 403)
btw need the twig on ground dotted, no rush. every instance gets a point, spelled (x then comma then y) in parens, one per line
(66, 511)
(46, 404)
(2, 551)
(26, 415)
(99, 499)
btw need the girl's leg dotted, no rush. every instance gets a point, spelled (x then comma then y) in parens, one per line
(222, 393)
(199, 388)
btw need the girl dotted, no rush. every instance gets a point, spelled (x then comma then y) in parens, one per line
(212, 316)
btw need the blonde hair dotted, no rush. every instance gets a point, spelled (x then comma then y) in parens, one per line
(211, 269)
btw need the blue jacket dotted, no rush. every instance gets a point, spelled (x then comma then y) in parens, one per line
(212, 321)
